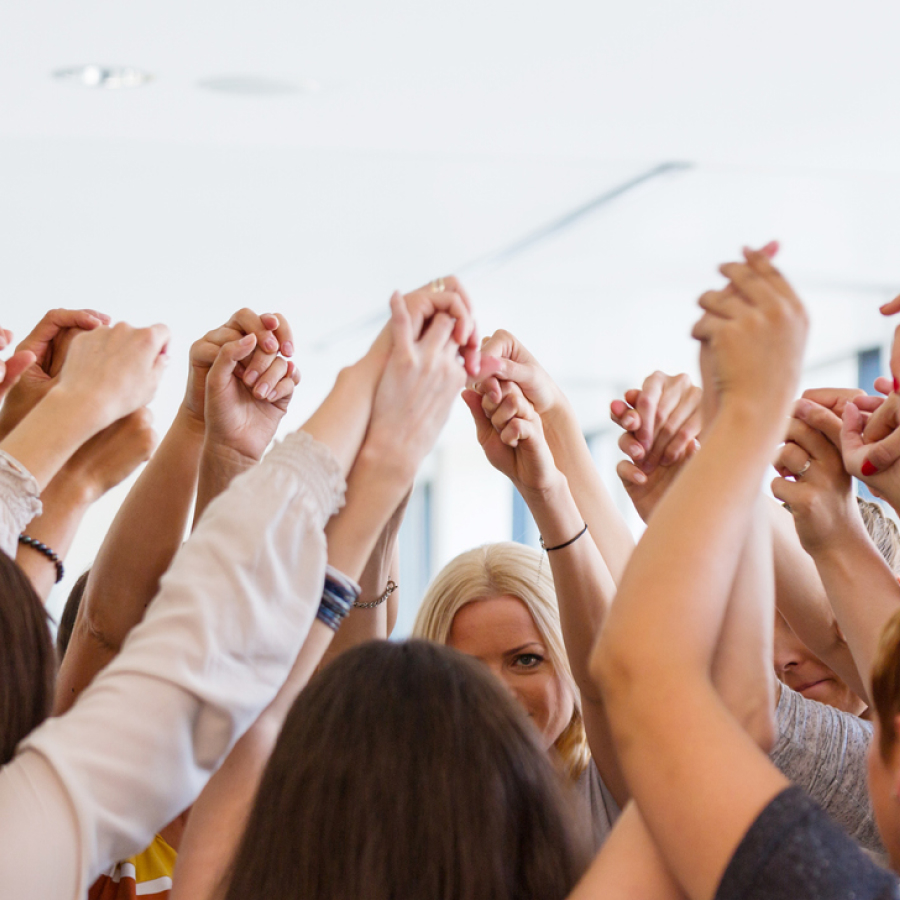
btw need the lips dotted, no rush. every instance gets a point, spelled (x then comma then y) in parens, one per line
(802, 688)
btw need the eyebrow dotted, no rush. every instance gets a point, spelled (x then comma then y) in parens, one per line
(525, 646)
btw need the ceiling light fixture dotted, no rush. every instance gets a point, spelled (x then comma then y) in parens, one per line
(254, 85)
(107, 77)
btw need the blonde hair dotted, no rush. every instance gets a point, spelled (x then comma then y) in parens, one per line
(514, 570)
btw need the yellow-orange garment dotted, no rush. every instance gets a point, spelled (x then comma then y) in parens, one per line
(147, 875)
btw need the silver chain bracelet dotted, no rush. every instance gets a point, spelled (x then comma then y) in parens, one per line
(391, 587)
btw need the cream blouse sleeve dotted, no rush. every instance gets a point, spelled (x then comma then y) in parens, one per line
(92, 786)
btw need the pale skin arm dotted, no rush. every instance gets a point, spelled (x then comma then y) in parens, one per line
(412, 401)
(513, 442)
(510, 361)
(655, 655)
(371, 623)
(151, 523)
(862, 591)
(629, 866)
(110, 372)
(800, 594)
(103, 462)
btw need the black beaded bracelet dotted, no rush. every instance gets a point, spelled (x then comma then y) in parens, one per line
(43, 548)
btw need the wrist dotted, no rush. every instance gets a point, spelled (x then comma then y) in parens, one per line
(381, 463)
(190, 423)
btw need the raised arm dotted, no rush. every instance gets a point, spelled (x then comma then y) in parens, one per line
(656, 654)
(511, 436)
(151, 523)
(861, 588)
(420, 381)
(507, 360)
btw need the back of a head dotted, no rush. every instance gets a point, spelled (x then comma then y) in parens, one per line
(27, 659)
(403, 770)
(883, 532)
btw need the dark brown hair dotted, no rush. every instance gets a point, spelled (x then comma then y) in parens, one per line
(70, 614)
(886, 684)
(27, 659)
(403, 770)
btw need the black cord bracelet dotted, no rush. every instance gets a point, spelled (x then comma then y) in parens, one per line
(566, 544)
(43, 548)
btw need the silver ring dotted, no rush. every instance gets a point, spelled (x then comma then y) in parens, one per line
(805, 468)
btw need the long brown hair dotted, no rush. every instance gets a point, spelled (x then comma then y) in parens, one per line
(886, 684)
(403, 770)
(27, 659)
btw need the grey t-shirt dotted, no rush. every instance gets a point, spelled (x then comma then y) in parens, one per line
(823, 751)
(793, 851)
(598, 809)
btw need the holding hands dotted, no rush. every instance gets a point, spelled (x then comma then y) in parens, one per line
(752, 336)
(35, 366)
(239, 386)
(812, 479)
(421, 378)
(512, 436)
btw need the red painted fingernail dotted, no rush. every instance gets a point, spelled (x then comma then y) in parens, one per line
(896, 385)
(868, 468)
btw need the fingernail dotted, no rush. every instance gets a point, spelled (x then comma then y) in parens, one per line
(262, 390)
(287, 349)
(270, 344)
(250, 378)
(272, 395)
(640, 477)
(868, 468)
(637, 451)
(896, 385)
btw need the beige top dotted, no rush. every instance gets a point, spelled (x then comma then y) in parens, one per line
(209, 656)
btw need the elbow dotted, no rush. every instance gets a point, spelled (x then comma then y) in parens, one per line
(616, 675)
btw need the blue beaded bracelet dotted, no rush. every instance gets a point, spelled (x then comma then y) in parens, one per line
(338, 596)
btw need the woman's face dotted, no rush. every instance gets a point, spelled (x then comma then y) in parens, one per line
(502, 634)
(884, 783)
(805, 673)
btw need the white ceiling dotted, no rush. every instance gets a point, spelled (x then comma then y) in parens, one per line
(443, 136)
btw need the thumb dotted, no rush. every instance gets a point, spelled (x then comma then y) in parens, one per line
(227, 359)
(851, 425)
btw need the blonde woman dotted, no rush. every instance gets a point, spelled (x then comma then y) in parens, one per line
(531, 622)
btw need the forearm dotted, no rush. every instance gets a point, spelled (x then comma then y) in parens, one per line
(584, 586)
(628, 866)
(145, 535)
(864, 594)
(64, 504)
(341, 421)
(573, 458)
(687, 558)
(48, 436)
(374, 622)
(211, 653)
(801, 598)
(742, 667)
(219, 466)
(217, 819)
